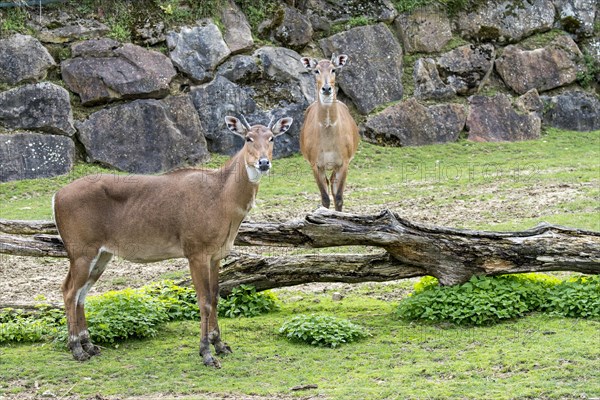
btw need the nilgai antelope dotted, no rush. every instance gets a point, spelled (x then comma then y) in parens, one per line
(329, 136)
(191, 213)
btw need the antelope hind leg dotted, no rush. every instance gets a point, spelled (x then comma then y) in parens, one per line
(214, 333)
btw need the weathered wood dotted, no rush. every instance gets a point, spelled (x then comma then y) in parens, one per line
(451, 255)
(17, 227)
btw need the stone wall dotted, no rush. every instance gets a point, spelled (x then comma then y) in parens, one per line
(500, 72)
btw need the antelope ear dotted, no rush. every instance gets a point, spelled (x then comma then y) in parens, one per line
(339, 61)
(309, 63)
(236, 126)
(282, 126)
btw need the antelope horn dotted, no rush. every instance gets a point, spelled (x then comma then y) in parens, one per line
(245, 121)
(271, 123)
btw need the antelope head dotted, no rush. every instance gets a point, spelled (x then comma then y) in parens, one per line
(258, 147)
(325, 71)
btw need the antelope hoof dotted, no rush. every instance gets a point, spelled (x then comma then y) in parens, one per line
(210, 361)
(91, 349)
(222, 348)
(80, 355)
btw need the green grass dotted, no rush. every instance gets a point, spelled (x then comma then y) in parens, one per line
(497, 186)
(535, 357)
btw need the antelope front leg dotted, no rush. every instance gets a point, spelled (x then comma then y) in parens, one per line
(214, 333)
(322, 182)
(338, 184)
(200, 271)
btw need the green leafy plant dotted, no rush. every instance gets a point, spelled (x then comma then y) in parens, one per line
(321, 330)
(122, 314)
(575, 298)
(244, 301)
(180, 302)
(482, 300)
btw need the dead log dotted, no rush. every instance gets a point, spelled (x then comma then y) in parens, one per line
(451, 255)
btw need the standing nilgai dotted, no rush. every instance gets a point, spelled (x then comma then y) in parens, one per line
(191, 213)
(329, 136)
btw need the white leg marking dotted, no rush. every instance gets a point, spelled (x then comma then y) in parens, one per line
(96, 269)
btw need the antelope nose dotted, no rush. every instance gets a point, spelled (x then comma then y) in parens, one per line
(264, 164)
(326, 90)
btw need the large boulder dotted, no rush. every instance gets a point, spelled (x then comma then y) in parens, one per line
(343, 10)
(577, 16)
(426, 30)
(145, 136)
(241, 69)
(214, 101)
(28, 155)
(286, 79)
(410, 123)
(126, 72)
(493, 119)
(197, 51)
(238, 34)
(23, 59)
(466, 68)
(374, 71)
(428, 83)
(291, 28)
(41, 106)
(506, 21)
(576, 111)
(543, 69)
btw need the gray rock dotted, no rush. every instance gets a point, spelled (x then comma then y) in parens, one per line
(74, 30)
(426, 30)
(337, 296)
(292, 28)
(576, 111)
(145, 136)
(283, 66)
(240, 69)
(28, 155)
(577, 16)
(23, 59)
(197, 51)
(238, 34)
(530, 102)
(506, 21)
(543, 69)
(466, 68)
(41, 106)
(103, 47)
(410, 123)
(493, 119)
(342, 10)
(213, 102)
(428, 84)
(151, 34)
(132, 73)
(374, 71)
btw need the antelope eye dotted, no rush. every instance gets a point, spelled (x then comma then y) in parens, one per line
(271, 139)
(316, 71)
(249, 139)
(333, 71)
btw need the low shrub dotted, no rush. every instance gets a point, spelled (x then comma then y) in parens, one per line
(123, 314)
(180, 302)
(321, 330)
(482, 300)
(244, 301)
(30, 326)
(576, 298)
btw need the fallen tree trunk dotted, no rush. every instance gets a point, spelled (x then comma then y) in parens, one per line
(451, 255)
